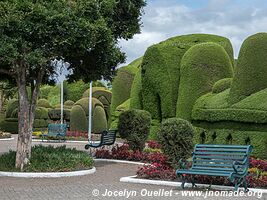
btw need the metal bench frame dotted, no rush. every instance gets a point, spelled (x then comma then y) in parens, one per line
(231, 161)
(57, 131)
(107, 138)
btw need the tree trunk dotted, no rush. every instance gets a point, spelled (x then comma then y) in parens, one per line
(24, 126)
(26, 117)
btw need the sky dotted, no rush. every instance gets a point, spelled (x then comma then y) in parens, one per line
(234, 19)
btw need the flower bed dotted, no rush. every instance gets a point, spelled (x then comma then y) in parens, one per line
(4, 135)
(158, 167)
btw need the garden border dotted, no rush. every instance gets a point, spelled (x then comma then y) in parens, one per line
(133, 179)
(47, 174)
(6, 139)
(119, 161)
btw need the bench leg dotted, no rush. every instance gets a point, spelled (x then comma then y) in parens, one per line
(237, 183)
(183, 181)
(245, 184)
(193, 182)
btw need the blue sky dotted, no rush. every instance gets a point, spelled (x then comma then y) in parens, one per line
(234, 19)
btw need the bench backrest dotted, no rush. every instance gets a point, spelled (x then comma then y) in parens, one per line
(221, 157)
(108, 137)
(57, 129)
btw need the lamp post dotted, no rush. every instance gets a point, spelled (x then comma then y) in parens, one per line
(90, 114)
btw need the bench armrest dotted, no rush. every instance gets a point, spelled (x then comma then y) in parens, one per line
(182, 164)
(236, 165)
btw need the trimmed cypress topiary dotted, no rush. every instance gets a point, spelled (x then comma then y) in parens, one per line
(222, 85)
(161, 72)
(176, 138)
(43, 103)
(201, 66)
(134, 126)
(251, 71)
(78, 119)
(136, 92)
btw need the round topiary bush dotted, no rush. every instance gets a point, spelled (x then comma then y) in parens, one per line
(251, 71)
(69, 103)
(99, 122)
(41, 113)
(222, 85)
(201, 66)
(176, 138)
(134, 126)
(78, 120)
(43, 103)
(11, 106)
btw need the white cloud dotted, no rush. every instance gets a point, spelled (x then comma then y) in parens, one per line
(221, 17)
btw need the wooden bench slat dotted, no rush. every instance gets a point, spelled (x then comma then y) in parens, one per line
(221, 146)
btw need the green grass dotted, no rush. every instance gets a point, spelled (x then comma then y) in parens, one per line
(49, 159)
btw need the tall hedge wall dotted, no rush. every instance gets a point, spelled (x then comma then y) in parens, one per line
(201, 66)
(136, 92)
(161, 72)
(251, 71)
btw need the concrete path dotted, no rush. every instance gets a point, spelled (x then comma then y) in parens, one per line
(95, 186)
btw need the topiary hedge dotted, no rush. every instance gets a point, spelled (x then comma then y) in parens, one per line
(201, 66)
(43, 103)
(84, 103)
(251, 71)
(41, 113)
(99, 122)
(120, 109)
(161, 71)
(136, 92)
(78, 119)
(9, 126)
(122, 83)
(134, 126)
(222, 85)
(176, 138)
(11, 106)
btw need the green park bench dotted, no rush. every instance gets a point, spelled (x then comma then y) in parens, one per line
(107, 138)
(231, 161)
(56, 131)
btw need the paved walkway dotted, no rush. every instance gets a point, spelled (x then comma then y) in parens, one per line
(92, 186)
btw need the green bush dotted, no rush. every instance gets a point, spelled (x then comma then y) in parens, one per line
(154, 130)
(9, 126)
(43, 103)
(40, 123)
(201, 66)
(76, 90)
(161, 72)
(222, 85)
(54, 94)
(99, 122)
(41, 113)
(11, 106)
(44, 91)
(136, 92)
(69, 103)
(120, 109)
(176, 138)
(49, 159)
(15, 113)
(122, 83)
(78, 120)
(251, 71)
(134, 126)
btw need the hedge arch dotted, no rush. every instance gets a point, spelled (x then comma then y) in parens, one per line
(222, 85)
(201, 66)
(251, 71)
(161, 71)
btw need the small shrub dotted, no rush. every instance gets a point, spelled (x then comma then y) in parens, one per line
(43, 103)
(134, 127)
(176, 138)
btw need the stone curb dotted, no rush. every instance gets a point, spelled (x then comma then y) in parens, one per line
(6, 139)
(133, 179)
(67, 141)
(119, 161)
(47, 174)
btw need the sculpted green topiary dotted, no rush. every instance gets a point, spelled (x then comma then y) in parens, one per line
(176, 138)
(11, 106)
(120, 109)
(99, 120)
(201, 66)
(251, 71)
(134, 127)
(161, 71)
(122, 83)
(136, 92)
(43, 103)
(222, 85)
(41, 113)
(84, 103)
(69, 103)
(78, 119)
